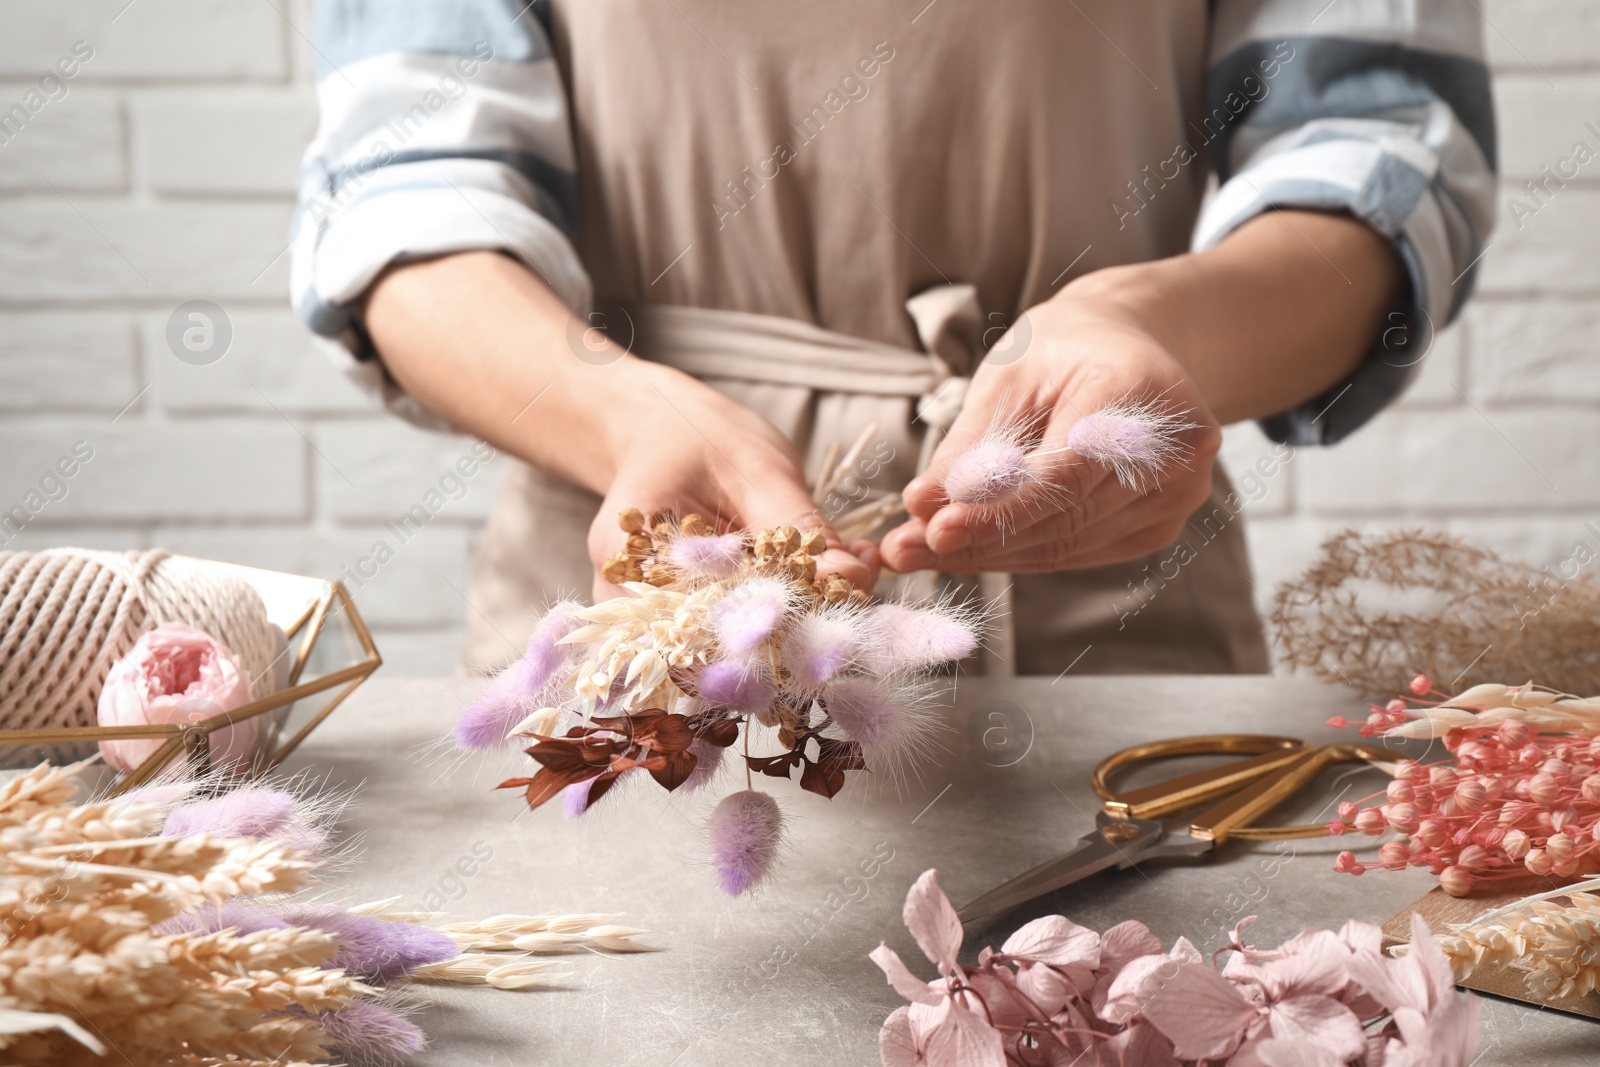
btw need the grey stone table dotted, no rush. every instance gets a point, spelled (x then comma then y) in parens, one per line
(782, 977)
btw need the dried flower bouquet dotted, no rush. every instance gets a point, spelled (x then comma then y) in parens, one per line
(718, 636)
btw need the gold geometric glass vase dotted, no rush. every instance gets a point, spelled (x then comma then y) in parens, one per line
(329, 652)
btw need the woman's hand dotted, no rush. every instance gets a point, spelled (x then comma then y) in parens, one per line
(1277, 313)
(1085, 354)
(680, 444)
(484, 343)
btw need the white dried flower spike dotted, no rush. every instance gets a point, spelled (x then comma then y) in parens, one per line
(1137, 439)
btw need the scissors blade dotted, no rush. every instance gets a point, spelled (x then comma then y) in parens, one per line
(1115, 842)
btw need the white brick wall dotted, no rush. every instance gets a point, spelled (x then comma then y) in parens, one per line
(165, 174)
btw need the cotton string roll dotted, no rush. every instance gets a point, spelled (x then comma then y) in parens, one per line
(68, 614)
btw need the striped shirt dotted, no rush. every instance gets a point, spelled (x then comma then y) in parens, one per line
(448, 125)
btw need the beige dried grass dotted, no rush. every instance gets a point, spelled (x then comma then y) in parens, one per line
(1487, 618)
(1556, 946)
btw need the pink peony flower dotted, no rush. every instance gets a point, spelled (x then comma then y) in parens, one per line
(176, 674)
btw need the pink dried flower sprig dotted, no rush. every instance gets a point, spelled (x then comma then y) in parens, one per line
(720, 635)
(1057, 993)
(1137, 439)
(1520, 794)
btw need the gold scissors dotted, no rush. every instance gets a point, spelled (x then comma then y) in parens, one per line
(1128, 830)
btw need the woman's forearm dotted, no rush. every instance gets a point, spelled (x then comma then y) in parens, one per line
(481, 341)
(1279, 311)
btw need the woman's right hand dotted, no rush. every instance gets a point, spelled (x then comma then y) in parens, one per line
(480, 340)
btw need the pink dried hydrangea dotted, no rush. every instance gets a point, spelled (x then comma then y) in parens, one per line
(1057, 993)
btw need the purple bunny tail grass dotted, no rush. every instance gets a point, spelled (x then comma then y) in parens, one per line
(490, 719)
(823, 644)
(368, 1033)
(746, 830)
(903, 638)
(230, 914)
(575, 798)
(252, 812)
(373, 948)
(1137, 439)
(751, 613)
(994, 469)
(702, 557)
(708, 761)
(736, 684)
(894, 722)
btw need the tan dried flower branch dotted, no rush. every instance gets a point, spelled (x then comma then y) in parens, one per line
(1557, 946)
(1352, 617)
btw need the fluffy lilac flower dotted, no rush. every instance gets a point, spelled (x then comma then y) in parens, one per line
(364, 1032)
(250, 812)
(575, 798)
(489, 720)
(900, 638)
(749, 614)
(1137, 440)
(210, 918)
(994, 468)
(703, 556)
(708, 761)
(731, 683)
(893, 723)
(372, 947)
(821, 645)
(746, 828)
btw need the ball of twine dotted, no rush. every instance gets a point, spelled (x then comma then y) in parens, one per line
(68, 614)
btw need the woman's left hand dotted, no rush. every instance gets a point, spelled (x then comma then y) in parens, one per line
(1085, 353)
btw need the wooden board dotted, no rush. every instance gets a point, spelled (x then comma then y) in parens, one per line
(1439, 909)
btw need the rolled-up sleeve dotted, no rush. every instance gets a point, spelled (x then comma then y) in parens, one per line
(1378, 109)
(443, 129)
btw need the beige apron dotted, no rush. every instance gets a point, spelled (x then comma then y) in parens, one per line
(828, 213)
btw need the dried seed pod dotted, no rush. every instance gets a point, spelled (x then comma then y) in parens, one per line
(660, 576)
(762, 545)
(664, 530)
(695, 525)
(640, 546)
(665, 515)
(802, 567)
(836, 589)
(786, 539)
(814, 544)
(615, 569)
(859, 597)
(631, 521)
(633, 572)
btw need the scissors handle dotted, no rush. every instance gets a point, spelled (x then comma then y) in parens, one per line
(1234, 816)
(1269, 753)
